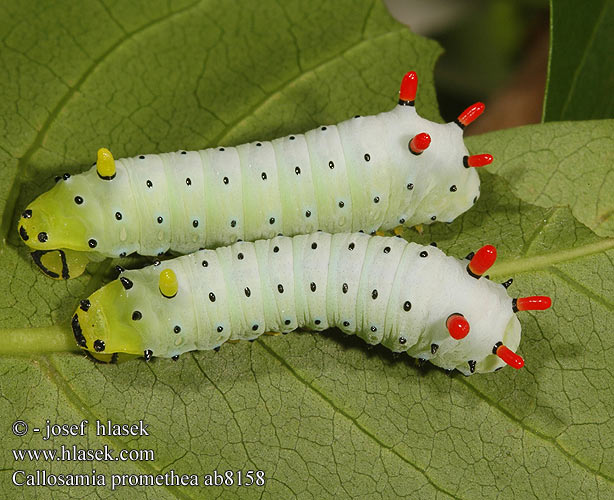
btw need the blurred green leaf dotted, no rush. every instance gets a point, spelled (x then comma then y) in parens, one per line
(581, 65)
(321, 415)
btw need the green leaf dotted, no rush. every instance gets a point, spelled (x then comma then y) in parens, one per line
(581, 64)
(320, 414)
(559, 164)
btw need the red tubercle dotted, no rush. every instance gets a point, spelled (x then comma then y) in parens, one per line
(536, 303)
(420, 143)
(470, 114)
(409, 87)
(458, 326)
(478, 160)
(509, 357)
(482, 261)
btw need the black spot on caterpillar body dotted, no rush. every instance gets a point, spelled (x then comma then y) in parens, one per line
(395, 298)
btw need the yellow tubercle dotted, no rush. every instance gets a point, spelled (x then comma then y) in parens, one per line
(168, 283)
(105, 164)
(380, 233)
(398, 230)
(419, 228)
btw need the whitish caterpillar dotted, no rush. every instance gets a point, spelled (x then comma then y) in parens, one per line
(366, 173)
(408, 297)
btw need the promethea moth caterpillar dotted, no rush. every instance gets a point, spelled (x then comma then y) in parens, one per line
(366, 173)
(408, 297)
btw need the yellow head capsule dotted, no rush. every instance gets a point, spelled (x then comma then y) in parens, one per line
(105, 164)
(168, 283)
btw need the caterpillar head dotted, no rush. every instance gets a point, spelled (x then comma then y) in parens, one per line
(483, 332)
(447, 184)
(58, 225)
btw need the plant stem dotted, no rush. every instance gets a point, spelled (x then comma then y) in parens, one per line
(26, 341)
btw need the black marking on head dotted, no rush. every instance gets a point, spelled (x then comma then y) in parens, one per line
(471, 364)
(77, 332)
(434, 348)
(23, 233)
(27, 214)
(126, 283)
(402, 340)
(99, 345)
(177, 329)
(374, 294)
(407, 306)
(147, 354)
(84, 305)
(42, 237)
(92, 243)
(424, 254)
(506, 284)
(136, 315)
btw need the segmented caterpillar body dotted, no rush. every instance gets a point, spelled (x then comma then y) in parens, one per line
(408, 297)
(364, 174)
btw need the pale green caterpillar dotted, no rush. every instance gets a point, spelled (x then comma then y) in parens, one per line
(366, 173)
(408, 297)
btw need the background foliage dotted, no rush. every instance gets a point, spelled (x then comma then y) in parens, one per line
(321, 414)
